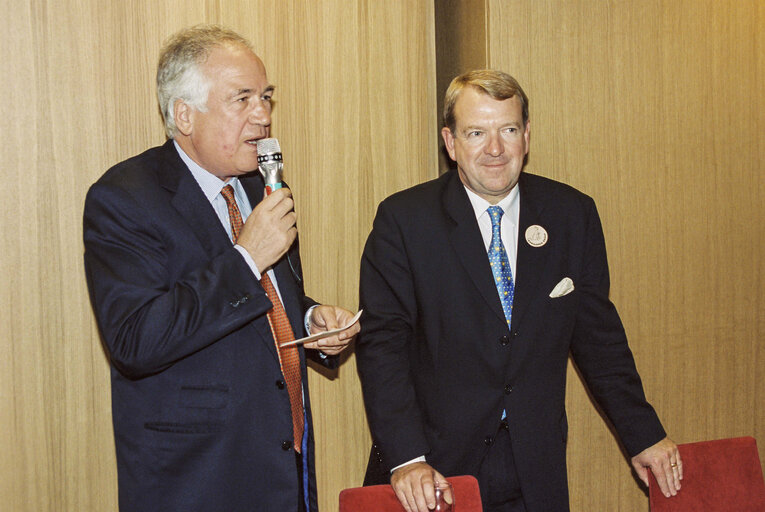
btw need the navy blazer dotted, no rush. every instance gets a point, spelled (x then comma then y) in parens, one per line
(201, 414)
(438, 363)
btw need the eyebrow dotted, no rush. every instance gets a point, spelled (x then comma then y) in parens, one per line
(484, 128)
(247, 90)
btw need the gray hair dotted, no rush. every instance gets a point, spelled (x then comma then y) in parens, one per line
(179, 73)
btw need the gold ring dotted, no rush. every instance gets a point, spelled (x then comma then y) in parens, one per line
(673, 464)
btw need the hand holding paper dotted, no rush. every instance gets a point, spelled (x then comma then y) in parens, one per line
(333, 329)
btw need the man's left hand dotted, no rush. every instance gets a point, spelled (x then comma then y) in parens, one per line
(326, 318)
(664, 460)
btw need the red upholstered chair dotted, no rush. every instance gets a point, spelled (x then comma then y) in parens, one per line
(381, 498)
(718, 476)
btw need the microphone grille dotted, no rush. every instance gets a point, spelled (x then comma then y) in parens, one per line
(268, 146)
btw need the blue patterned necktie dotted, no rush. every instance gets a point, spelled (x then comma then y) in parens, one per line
(500, 265)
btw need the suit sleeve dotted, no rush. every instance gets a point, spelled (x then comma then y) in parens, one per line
(152, 307)
(599, 348)
(388, 297)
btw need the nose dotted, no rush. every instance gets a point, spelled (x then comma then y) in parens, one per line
(494, 146)
(261, 113)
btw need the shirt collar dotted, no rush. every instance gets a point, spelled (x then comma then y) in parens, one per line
(480, 205)
(210, 184)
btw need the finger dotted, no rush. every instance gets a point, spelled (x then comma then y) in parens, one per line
(679, 465)
(663, 478)
(351, 331)
(671, 480)
(331, 341)
(439, 478)
(270, 201)
(420, 500)
(330, 320)
(411, 498)
(675, 465)
(285, 206)
(403, 496)
(287, 221)
(428, 492)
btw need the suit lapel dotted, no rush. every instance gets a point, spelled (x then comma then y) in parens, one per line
(531, 261)
(466, 241)
(191, 203)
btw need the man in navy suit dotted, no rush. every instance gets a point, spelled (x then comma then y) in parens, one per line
(181, 244)
(476, 287)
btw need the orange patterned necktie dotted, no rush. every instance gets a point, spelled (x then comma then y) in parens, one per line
(289, 358)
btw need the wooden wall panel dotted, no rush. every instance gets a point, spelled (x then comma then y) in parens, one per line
(355, 113)
(655, 108)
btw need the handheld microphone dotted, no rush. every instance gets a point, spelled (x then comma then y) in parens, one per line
(271, 166)
(270, 163)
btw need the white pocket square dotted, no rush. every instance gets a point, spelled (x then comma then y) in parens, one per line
(565, 287)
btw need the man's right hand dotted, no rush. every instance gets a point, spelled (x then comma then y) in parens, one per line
(270, 229)
(414, 486)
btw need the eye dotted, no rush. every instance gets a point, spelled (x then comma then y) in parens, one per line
(473, 134)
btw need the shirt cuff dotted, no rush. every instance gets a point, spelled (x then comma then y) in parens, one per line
(248, 259)
(421, 458)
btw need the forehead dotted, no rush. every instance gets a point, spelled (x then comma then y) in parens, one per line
(475, 107)
(233, 67)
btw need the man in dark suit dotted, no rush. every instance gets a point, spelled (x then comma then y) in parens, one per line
(195, 278)
(476, 286)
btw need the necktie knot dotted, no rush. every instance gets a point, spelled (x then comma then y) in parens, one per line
(495, 214)
(228, 194)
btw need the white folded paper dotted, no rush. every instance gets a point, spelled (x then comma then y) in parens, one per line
(565, 287)
(323, 334)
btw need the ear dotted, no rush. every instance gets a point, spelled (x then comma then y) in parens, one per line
(526, 135)
(448, 137)
(183, 114)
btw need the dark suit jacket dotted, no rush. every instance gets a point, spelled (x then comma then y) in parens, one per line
(201, 414)
(437, 362)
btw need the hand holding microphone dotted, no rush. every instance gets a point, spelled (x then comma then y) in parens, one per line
(270, 229)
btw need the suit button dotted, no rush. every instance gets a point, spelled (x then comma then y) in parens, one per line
(508, 389)
(515, 334)
(504, 340)
(286, 445)
(280, 384)
(488, 440)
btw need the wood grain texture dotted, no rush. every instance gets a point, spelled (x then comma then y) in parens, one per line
(655, 108)
(356, 117)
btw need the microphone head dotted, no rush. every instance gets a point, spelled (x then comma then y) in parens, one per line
(268, 150)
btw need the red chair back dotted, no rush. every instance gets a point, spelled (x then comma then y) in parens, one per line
(718, 476)
(381, 498)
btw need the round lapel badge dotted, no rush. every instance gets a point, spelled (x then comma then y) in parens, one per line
(536, 236)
